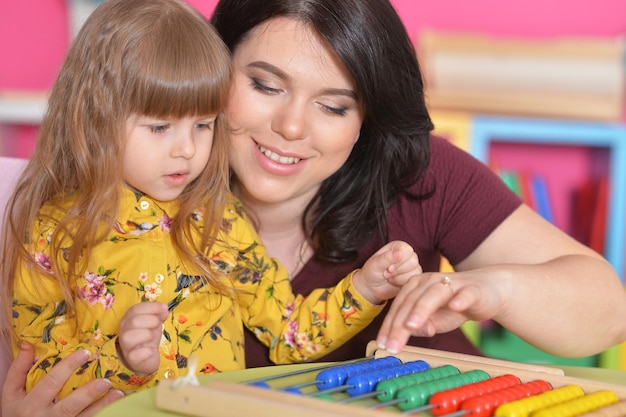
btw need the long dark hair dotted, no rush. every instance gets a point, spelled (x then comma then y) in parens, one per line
(393, 148)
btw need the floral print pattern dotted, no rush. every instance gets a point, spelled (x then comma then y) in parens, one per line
(138, 263)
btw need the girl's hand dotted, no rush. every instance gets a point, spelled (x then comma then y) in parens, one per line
(387, 271)
(140, 335)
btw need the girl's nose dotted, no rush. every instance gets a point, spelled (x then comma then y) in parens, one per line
(184, 146)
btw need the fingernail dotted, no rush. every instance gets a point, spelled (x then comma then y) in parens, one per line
(393, 347)
(381, 343)
(413, 322)
(104, 384)
(119, 393)
(85, 354)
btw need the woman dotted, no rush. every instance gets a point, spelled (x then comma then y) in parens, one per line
(331, 155)
(330, 152)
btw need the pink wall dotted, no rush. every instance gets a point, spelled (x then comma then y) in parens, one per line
(534, 18)
(34, 35)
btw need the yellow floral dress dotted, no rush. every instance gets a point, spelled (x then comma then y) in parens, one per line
(137, 263)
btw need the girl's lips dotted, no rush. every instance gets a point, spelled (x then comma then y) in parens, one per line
(177, 179)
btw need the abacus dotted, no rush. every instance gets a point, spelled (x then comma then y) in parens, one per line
(416, 381)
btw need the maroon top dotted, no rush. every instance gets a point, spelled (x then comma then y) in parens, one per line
(469, 202)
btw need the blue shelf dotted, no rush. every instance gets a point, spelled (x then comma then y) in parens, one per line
(488, 129)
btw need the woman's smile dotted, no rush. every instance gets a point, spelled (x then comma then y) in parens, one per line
(293, 112)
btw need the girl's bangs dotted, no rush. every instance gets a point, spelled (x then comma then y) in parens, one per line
(196, 85)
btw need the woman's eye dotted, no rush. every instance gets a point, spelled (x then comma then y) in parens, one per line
(258, 85)
(158, 128)
(339, 111)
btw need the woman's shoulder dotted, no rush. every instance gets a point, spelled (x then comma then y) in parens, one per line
(448, 166)
(465, 200)
(444, 152)
(452, 167)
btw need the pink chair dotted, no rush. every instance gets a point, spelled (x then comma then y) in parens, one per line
(10, 170)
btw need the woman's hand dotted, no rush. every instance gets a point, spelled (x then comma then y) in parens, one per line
(86, 401)
(434, 303)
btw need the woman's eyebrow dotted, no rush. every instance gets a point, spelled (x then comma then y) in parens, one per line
(266, 66)
(269, 68)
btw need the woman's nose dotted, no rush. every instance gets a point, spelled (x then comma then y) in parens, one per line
(291, 120)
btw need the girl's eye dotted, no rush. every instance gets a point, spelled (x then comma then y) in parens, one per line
(205, 125)
(257, 85)
(158, 128)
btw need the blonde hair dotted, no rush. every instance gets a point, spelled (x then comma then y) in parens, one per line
(157, 58)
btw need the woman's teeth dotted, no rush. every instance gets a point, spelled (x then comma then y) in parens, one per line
(287, 160)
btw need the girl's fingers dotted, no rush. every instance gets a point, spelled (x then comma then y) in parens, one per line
(129, 340)
(143, 321)
(141, 354)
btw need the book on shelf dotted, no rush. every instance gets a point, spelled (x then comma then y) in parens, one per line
(532, 189)
(564, 77)
(541, 197)
(589, 213)
(589, 204)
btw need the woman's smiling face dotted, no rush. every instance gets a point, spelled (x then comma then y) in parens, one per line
(294, 112)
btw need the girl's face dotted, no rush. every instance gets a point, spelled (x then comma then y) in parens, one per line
(161, 157)
(294, 111)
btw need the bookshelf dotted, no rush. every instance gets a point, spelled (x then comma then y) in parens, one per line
(535, 144)
(605, 140)
(551, 108)
(486, 131)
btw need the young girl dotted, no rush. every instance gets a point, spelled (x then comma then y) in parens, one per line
(135, 250)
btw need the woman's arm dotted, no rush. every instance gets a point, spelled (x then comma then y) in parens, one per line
(555, 293)
(530, 277)
(85, 401)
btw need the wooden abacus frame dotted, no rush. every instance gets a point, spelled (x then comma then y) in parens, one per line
(225, 399)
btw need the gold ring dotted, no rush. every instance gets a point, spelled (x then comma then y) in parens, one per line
(447, 282)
